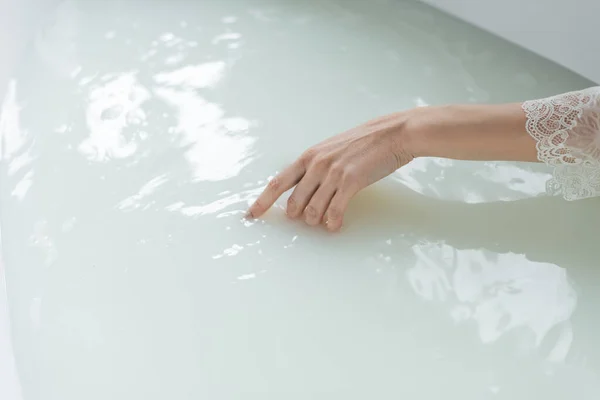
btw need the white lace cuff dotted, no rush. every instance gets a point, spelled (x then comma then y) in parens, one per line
(567, 131)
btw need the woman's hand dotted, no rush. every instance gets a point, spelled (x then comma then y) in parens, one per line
(329, 174)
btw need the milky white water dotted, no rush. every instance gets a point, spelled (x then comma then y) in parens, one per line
(134, 136)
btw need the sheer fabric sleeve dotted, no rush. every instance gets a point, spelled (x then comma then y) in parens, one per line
(566, 128)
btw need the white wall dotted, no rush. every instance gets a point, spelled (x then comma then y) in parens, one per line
(563, 31)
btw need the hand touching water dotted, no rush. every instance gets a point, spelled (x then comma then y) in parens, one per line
(329, 174)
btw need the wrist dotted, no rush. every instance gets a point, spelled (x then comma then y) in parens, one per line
(470, 132)
(416, 131)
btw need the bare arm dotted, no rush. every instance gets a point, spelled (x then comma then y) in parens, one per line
(472, 132)
(557, 131)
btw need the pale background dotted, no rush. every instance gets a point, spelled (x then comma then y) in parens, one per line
(564, 31)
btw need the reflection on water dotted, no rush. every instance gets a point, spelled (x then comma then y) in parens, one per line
(13, 137)
(218, 147)
(240, 199)
(113, 106)
(15, 150)
(126, 174)
(135, 201)
(194, 76)
(500, 292)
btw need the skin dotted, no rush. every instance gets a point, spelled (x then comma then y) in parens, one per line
(328, 175)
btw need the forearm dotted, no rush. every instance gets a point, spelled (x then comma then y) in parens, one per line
(470, 132)
(563, 131)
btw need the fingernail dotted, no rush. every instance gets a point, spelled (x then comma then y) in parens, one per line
(249, 215)
(332, 228)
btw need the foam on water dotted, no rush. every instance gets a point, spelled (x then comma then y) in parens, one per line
(136, 133)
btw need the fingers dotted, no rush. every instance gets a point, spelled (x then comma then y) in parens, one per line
(302, 194)
(322, 193)
(334, 216)
(276, 187)
(314, 211)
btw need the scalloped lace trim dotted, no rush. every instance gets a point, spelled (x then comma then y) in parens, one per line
(567, 131)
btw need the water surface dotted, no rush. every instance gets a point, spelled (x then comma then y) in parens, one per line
(136, 133)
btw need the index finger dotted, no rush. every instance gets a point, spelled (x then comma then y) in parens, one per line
(277, 186)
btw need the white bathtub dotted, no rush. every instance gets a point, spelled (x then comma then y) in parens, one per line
(134, 135)
(564, 32)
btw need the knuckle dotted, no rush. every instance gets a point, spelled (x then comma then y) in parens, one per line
(307, 157)
(321, 163)
(274, 184)
(334, 214)
(337, 170)
(291, 204)
(258, 206)
(311, 212)
(350, 175)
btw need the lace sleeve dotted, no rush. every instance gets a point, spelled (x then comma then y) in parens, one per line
(567, 131)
